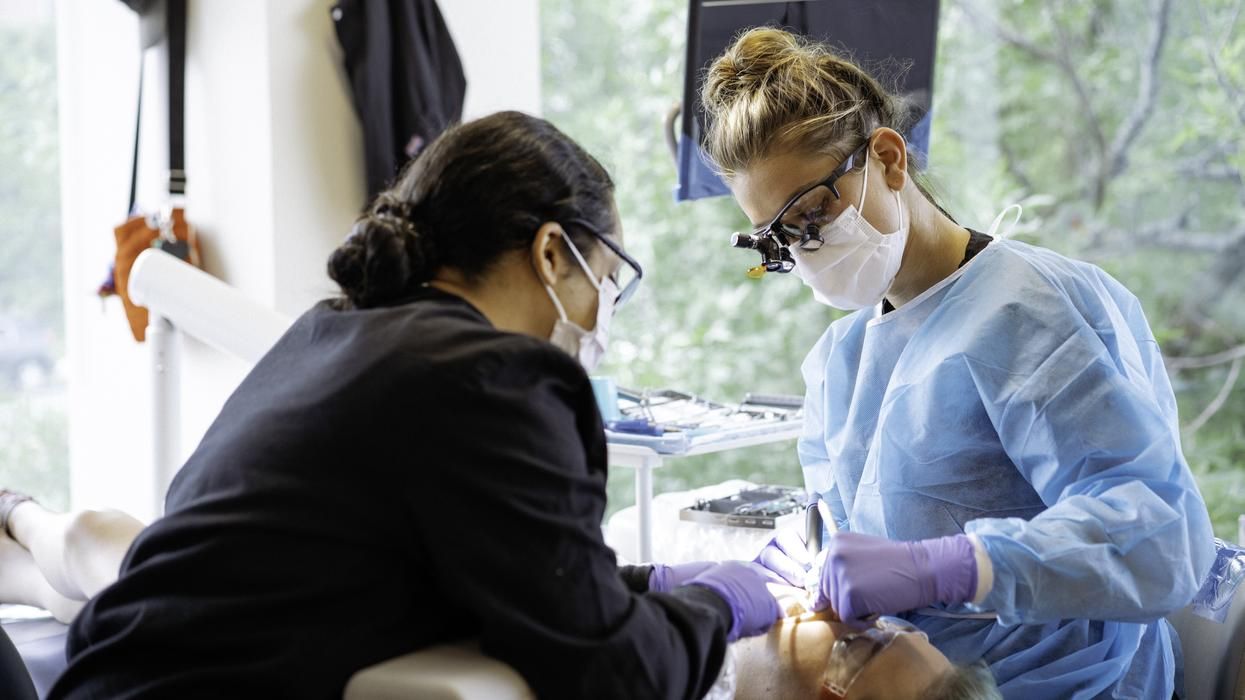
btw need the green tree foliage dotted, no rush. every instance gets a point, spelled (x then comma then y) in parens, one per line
(612, 69)
(34, 455)
(30, 229)
(1119, 121)
(34, 452)
(1116, 123)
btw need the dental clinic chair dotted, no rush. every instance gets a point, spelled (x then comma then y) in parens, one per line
(15, 681)
(448, 672)
(1213, 652)
(38, 647)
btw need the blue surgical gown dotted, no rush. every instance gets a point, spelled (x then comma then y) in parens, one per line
(1022, 400)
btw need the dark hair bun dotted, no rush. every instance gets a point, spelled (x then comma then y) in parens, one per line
(479, 191)
(383, 260)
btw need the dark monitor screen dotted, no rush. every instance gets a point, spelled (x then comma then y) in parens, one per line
(898, 34)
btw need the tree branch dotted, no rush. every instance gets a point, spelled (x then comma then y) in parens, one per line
(1174, 238)
(1006, 35)
(1055, 58)
(1205, 167)
(1226, 270)
(1098, 189)
(1175, 364)
(1217, 403)
(1229, 88)
(1227, 34)
(1222, 172)
(1012, 163)
(1147, 91)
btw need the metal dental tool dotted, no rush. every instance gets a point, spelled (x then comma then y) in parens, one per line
(812, 528)
(817, 519)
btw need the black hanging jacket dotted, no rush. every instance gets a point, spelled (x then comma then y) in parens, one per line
(406, 77)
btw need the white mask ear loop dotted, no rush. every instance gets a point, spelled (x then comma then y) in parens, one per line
(899, 206)
(556, 304)
(587, 271)
(994, 226)
(898, 201)
(584, 264)
(864, 189)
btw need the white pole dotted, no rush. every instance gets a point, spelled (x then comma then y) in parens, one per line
(165, 405)
(644, 508)
(183, 300)
(203, 307)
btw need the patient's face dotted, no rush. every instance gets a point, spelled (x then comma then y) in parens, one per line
(791, 660)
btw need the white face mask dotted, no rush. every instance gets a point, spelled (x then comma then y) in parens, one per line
(586, 346)
(857, 263)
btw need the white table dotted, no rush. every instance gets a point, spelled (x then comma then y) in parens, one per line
(645, 459)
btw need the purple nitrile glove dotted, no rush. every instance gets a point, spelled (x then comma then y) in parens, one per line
(865, 575)
(786, 557)
(665, 578)
(742, 585)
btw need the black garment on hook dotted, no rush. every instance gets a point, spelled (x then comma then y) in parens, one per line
(405, 75)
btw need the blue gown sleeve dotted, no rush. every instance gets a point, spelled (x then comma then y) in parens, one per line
(1068, 378)
(811, 447)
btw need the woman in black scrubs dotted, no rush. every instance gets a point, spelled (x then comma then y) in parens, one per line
(421, 462)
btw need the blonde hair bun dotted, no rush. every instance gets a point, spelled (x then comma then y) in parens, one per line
(773, 90)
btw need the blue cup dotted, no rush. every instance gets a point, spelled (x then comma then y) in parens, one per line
(606, 393)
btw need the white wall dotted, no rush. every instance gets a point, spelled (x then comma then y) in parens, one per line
(318, 143)
(499, 43)
(273, 154)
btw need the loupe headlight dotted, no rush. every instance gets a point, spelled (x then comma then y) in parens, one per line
(775, 257)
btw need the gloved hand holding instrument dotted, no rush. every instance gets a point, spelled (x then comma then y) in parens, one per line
(787, 558)
(792, 558)
(865, 575)
(858, 576)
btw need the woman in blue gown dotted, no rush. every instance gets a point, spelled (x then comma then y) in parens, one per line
(992, 431)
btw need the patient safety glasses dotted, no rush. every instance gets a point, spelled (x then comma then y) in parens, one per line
(852, 652)
(628, 276)
(799, 222)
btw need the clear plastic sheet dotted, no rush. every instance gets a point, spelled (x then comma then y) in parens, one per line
(1215, 599)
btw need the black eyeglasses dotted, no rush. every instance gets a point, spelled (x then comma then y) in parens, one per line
(799, 223)
(627, 278)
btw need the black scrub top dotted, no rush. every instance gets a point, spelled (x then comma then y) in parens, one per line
(977, 242)
(382, 481)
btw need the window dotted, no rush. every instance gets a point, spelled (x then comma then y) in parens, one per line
(611, 70)
(1116, 124)
(34, 455)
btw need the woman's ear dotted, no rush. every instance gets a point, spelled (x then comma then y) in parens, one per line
(892, 151)
(547, 257)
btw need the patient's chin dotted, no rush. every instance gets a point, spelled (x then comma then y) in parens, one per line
(789, 661)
